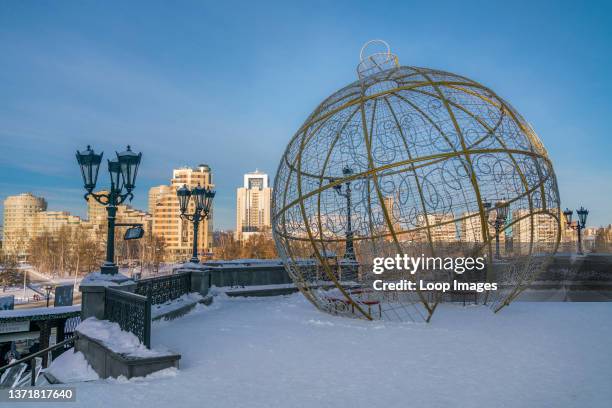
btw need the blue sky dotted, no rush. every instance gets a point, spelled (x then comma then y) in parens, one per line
(228, 83)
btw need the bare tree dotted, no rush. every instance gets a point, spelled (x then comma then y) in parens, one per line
(68, 252)
(603, 239)
(225, 246)
(152, 251)
(257, 246)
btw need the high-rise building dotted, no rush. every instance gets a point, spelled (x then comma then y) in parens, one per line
(471, 231)
(543, 235)
(26, 217)
(53, 221)
(442, 227)
(97, 215)
(155, 193)
(177, 233)
(253, 203)
(20, 220)
(471, 228)
(403, 232)
(96, 212)
(568, 235)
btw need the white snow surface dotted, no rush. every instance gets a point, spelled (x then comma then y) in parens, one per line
(282, 352)
(72, 367)
(119, 341)
(104, 279)
(238, 289)
(171, 306)
(38, 311)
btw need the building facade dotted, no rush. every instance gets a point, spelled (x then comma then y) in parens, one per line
(177, 233)
(21, 221)
(26, 217)
(533, 232)
(472, 231)
(442, 228)
(97, 215)
(156, 193)
(253, 204)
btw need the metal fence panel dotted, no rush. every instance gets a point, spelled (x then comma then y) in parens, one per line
(162, 289)
(131, 311)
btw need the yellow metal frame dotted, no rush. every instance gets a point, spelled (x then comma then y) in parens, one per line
(358, 124)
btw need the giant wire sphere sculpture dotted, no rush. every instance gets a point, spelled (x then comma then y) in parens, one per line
(418, 162)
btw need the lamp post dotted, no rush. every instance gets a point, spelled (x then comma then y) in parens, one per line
(48, 289)
(202, 198)
(349, 252)
(501, 216)
(578, 225)
(122, 171)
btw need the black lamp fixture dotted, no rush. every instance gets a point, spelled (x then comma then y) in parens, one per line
(129, 162)
(202, 199)
(568, 215)
(582, 216)
(114, 169)
(183, 195)
(90, 164)
(122, 170)
(502, 209)
(578, 225)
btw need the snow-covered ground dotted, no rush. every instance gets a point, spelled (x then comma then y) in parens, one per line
(176, 304)
(72, 367)
(34, 290)
(117, 340)
(18, 292)
(281, 352)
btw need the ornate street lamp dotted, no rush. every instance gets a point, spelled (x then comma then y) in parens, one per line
(202, 199)
(578, 225)
(122, 171)
(582, 216)
(90, 164)
(48, 289)
(349, 252)
(501, 216)
(568, 215)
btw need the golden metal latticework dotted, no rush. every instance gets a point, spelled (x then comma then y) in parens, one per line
(412, 161)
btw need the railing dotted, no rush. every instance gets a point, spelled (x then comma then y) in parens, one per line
(131, 311)
(71, 324)
(69, 331)
(31, 358)
(164, 288)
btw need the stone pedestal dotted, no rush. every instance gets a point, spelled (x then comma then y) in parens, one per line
(200, 277)
(92, 292)
(108, 363)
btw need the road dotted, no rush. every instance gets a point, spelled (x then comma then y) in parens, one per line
(37, 280)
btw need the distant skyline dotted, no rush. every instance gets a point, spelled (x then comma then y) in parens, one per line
(228, 84)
